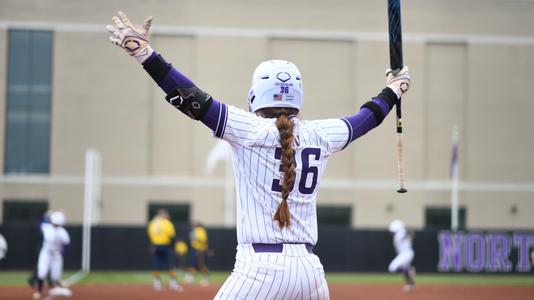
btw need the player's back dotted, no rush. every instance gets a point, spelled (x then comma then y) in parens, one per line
(54, 238)
(402, 240)
(257, 162)
(160, 231)
(199, 238)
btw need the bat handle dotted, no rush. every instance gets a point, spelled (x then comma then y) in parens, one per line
(400, 150)
(396, 71)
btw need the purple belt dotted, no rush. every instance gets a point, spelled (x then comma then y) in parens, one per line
(277, 248)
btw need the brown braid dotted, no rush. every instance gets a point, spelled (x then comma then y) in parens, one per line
(285, 130)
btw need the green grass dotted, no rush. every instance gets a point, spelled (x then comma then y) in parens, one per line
(454, 279)
(143, 277)
(19, 277)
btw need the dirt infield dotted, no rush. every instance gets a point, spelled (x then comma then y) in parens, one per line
(337, 291)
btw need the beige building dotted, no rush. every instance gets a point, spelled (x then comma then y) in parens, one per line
(471, 63)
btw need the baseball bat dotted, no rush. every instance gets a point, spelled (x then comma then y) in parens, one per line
(396, 65)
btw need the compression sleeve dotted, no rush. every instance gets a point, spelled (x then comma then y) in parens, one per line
(365, 119)
(164, 74)
(169, 78)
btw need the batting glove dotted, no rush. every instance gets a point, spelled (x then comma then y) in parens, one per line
(399, 83)
(134, 41)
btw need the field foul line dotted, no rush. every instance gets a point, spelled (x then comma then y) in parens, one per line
(75, 278)
(69, 281)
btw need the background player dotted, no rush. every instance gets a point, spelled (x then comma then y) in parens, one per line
(198, 255)
(3, 247)
(180, 255)
(161, 234)
(32, 280)
(278, 161)
(55, 240)
(402, 241)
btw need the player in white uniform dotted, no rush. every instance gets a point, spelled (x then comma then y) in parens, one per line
(55, 238)
(3, 247)
(278, 162)
(402, 241)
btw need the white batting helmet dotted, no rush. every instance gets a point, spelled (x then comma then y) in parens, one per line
(396, 225)
(275, 83)
(57, 218)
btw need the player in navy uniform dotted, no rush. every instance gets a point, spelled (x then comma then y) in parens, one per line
(278, 161)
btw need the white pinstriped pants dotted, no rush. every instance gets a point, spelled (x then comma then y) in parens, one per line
(292, 274)
(49, 261)
(402, 260)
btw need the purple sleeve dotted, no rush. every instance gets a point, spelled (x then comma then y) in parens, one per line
(364, 120)
(216, 117)
(168, 78)
(174, 79)
(164, 74)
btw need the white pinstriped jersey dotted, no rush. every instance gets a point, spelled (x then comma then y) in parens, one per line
(402, 241)
(405, 254)
(54, 238)
(256, 163)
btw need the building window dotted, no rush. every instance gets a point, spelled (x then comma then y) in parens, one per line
(440, 218)
(179, 213)
(340, 216)
(23, 211)
(29, 69)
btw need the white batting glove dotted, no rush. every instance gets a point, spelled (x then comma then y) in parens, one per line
(134, 41)
(399, 83)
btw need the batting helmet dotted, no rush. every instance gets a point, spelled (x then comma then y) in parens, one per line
(57, 218)
(396, 225)
(275, 83)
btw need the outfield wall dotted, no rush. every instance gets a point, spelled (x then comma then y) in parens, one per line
(340, 250)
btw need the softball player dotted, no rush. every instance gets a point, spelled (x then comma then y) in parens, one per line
(198, 254)
(161, 234)
(180, 254)
(55, 239)
(32, 280)
(3, 247)
(278, 162)
(402, 241)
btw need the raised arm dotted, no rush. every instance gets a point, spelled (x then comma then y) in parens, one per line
(181, 92)
(373, 112)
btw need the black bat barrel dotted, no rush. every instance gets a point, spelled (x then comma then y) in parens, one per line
(395, 35)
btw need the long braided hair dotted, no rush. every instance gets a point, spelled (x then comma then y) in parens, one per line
(285, 130)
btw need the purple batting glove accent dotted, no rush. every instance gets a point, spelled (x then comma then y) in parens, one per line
(215, 118)
(364, 120)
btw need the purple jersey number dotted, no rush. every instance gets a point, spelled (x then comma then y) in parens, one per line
(305, 156)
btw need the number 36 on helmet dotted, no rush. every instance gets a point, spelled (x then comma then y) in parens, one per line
(275, 83)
